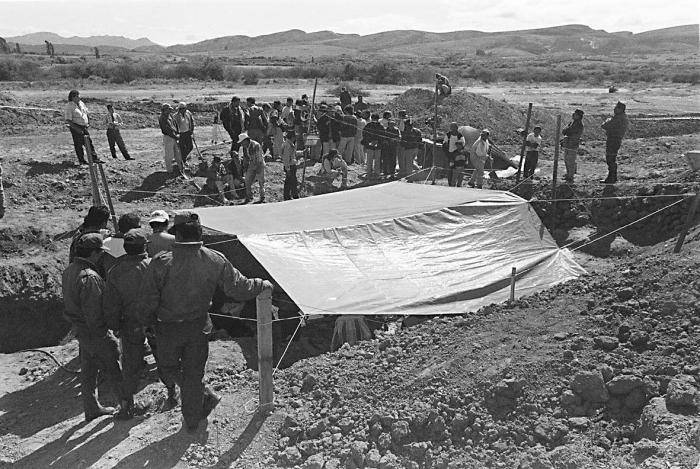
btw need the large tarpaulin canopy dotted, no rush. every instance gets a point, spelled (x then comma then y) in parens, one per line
(399, 248)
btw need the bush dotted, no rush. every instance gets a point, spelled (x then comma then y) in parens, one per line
(232, 74)
(250, 77)
(212, 70)
(687, 77)
(386, 73)
(354, 92)
(122, 73)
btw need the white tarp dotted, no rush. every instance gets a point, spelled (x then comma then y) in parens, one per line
(398, 248)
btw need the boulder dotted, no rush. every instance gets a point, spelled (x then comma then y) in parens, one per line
(682, 392)
(314, 461)
(657, 423)
(590, 386)
(624, 384)
(606, 342)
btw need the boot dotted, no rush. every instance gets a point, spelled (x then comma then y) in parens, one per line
(173, 397)
(99, 412)
(126, 409)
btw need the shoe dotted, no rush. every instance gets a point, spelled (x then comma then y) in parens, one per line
(470, 184)
(114, 156)
(173, 397)
(128, 159)
(82, 162)
(211, 400)
(126, 410)
(101, 411)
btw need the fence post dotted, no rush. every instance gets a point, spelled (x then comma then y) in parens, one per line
(264, 310)
(554, 174)
(512, 284)
(688, 223)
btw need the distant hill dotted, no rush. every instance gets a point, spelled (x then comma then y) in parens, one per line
(90, 41)
(573, 38)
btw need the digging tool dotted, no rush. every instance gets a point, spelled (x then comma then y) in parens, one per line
(307, 150)
(109, 197)
(688, 223)
(522, 148)
(96, 195)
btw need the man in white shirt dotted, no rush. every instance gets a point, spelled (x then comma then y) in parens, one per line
(533, 142)
(478, 156)
(160, 240)
(287, 114)
(114, 122)
(77, 120)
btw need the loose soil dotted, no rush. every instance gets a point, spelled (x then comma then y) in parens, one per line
(599, 372)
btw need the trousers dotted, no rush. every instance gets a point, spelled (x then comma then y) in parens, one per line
(290, 183)
(570, 162)
(346, 148)
(531, 158)
(132, 341)
(114, 136)
(171, 153)
(477, 178)
(252, 174)
(98, 353)
(79, 143)
(612, 146)
(185, 144)
(373, 159)
(406, 157)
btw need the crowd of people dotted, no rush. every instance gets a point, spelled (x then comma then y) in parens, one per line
(124, 290)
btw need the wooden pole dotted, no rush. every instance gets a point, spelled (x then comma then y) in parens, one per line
(554, 174)
(688, 223)
(512, 284)
(435, 117)
(522, 148)
(308, 131)
(109, 198)
(264, 307)
(96, 195)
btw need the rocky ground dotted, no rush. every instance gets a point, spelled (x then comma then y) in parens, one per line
(599, 372)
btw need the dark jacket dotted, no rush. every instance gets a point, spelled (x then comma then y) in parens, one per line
(392, 138)
(231, 120)
(372, 135)
(324, 127)
(348, 127)
(345, 98)
(122, 291)
(82, 295)
(336, 121)
(616, 127)
(572, 132)
(167, 125)
(411, 138)
(257, 119)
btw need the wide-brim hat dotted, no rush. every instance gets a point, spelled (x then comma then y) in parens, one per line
(243, 136)
(159, 216)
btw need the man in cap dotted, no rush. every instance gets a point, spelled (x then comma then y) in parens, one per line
(83, 287)
(94, 222)
(533, 142)
(184, 121)
(235, 120)
(177, 291)
(120, 302)
(324, 129)
(615, 130)
(253, 165)
(160, 240)
(572, 138)
(114, 121)
(115, 242)
(78, 121)
(170, 137)
(479, 154)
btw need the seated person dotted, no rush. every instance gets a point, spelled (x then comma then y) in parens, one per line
(333, 164)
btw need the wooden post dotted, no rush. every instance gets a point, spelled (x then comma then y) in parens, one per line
(522, 148)
(512, 284)
(109, 197)
(435, 118)
(96, 195)
(308, 131)
(688, 223)
(264, 307)
(554, 174)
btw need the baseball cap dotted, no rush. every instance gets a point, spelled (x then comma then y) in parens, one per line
(91, 241)
(135, 236)
(159, 216)
(186, 216)
(182, 105)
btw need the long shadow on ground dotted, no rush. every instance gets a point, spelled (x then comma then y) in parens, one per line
(151, 184)
(243, 441)
(48, 167)
(164, 453)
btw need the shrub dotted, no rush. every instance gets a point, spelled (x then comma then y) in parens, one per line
(232, 74)
(123, 72)
(250, 77)
(352, 89)
(386, 73)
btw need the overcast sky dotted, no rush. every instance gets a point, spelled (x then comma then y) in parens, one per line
(169, 22)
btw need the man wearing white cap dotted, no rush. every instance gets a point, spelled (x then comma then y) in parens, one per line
(185, 127)
(170, 136)
(160, 240)
(253, 166)
(478, 156)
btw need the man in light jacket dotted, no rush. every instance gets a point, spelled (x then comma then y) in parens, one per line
(478, 156)
(170, 136)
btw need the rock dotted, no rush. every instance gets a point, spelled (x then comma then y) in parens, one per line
(373, 457)
(568, 399)
(579, 423)
(357, 452)
(682, 392)
(417, 450)
(290, 456)
(399, 431)
(568, 355)
(550, 431)
(625, 294)
(643, 449)
(316, 428)
(308, 383)
(345, 425)
(308, 447)
(570, 457)
(657, 423)
(607, 372)
(389, 461)
(606, 342)
(636, 399)
(459, 424)
(590, 386)
(384, 441)
(639, 339)
(314, 462)
(23, 371)
(624, 384)
(623, 332)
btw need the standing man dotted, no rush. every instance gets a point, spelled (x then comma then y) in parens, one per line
(122, 294)
(411, 139)
(160, 240)
(359, 151)
(2, 196)
(289, 161)
(170, 137)
(257, 122)
(287, 114)
(449, 147)
(177, 291)
(235, 120)
(83, 288)
(615, 129)
(77, 120)
(184, 122)
(348, 129)
(372, 136)
(478, 156)
(443, 85)
(392, 138)
(114, 122)
(253, 165)
(572, 139)
(361, 105)
(324, 129)
(533, 142)
(345, 98)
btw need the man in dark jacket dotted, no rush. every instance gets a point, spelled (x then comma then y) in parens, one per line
(615, 130)
(184, 122)
(572, 139)
(348, 129)
(324, 130)
(411, 139)
(390, 143)
(83, 288)
(257, 125)
(170, 138)
(372, 138)
(94, 222)
(177, 291)
(345, 97)
(235, 120)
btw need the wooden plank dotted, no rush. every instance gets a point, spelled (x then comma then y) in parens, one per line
(522, 148)
(109, 197)
(512, 284)
(554, 174)
(96, 195)
(264, 310)
(688, 223)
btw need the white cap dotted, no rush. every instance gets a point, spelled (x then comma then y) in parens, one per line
(159, 216)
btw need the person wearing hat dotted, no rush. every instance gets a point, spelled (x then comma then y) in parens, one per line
(253, 166)
(176, 295)
(300, 122)
(83, 289)
(114, 121)
(411, 139)
(533, 142)
(184, 122)
(120, 303)
(390, 144)
(572, 138)
(479, 154)
(115, 242)
(615, 130)
(94, 222)
(170, 136)
(289, 161)
(257, 124)
(372, 137)
(160, 240)
(333, 162)
(276, 128)
(348, 129)
(235, 120)
(78, 121)
(345, 98)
